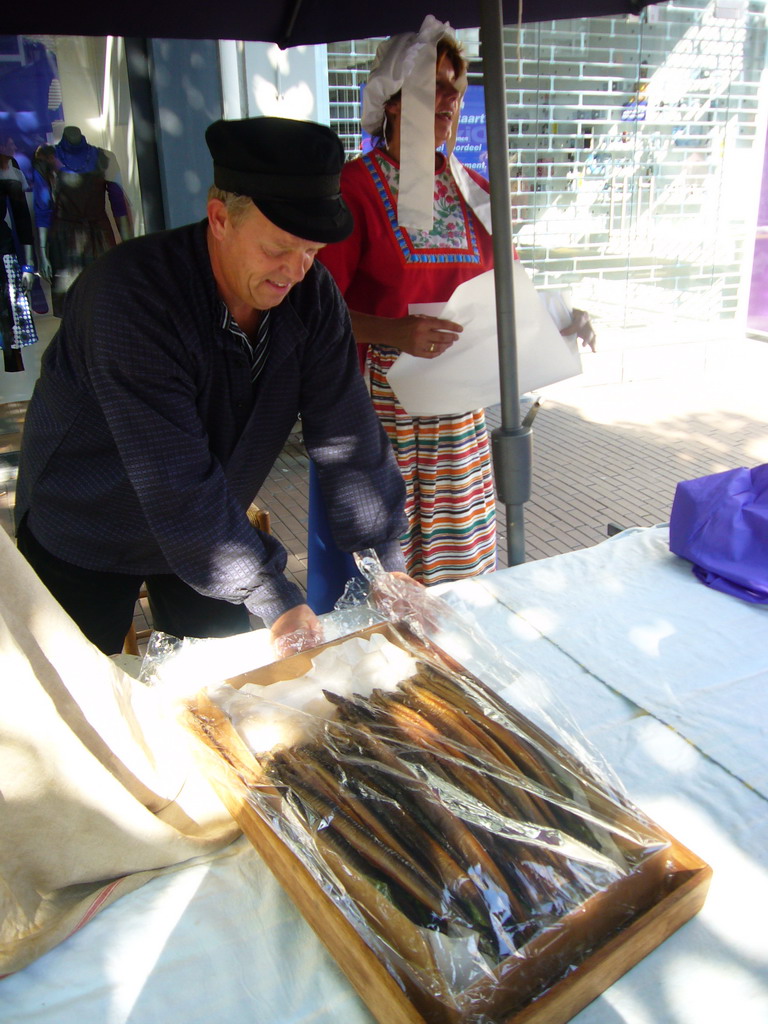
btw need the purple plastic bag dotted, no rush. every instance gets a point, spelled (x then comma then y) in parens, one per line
(720, 523)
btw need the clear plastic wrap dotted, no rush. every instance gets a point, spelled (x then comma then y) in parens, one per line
(476, 856)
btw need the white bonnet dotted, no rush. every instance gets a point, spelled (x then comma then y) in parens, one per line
(395, 60)
(407, 62)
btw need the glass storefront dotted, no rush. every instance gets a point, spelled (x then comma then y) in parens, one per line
(49, 82)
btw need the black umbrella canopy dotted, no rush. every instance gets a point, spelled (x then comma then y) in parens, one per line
(287, 22)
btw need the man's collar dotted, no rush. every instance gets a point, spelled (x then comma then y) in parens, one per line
(228, 323)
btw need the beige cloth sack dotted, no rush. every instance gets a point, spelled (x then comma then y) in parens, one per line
(99, 791)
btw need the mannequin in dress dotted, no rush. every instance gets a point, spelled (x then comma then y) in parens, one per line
(16, 328)
(72, 220)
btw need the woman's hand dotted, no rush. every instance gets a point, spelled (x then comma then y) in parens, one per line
(426, 337)
(581, 326)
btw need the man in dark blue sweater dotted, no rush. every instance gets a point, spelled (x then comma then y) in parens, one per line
(181, 365)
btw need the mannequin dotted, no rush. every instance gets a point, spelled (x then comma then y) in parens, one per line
(73, 225)
(16, 326)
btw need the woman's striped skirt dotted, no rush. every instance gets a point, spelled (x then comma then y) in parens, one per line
(450, 500)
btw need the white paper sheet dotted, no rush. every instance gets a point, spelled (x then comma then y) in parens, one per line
(466, 376)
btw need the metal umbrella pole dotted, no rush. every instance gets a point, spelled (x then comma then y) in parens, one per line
(511, 444)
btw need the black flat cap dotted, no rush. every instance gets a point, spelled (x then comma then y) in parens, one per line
(290, 169)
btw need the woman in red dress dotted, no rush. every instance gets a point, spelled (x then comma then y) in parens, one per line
(387, 263)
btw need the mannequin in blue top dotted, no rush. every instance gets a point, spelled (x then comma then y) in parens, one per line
(72, 220)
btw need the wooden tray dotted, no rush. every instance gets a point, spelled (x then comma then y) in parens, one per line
(665, 890)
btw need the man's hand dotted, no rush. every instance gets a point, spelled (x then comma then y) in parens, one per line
(298, 629)
(400, 598)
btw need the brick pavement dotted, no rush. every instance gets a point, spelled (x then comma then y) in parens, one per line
(609, 447)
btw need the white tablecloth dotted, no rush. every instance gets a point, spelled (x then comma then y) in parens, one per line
(665, 677)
